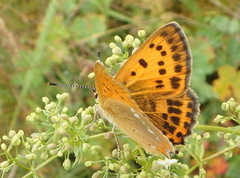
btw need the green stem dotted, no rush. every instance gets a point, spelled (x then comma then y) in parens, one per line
(216, 128)
(97, 135)
(205, 160)
(219, 153)
(40, 166)
(192, 169)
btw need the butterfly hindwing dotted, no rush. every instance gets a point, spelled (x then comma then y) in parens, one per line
(174, 116)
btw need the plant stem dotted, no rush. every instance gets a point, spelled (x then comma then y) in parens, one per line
(205, 160)
(216, 128)
(219, 153)
(40, 166)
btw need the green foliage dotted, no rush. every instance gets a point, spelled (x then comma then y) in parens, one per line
(228, 83)
(57, 41)
(60, 135)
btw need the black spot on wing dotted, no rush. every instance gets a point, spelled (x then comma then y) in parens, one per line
(133, 73)
(175, 82)
(143, 63)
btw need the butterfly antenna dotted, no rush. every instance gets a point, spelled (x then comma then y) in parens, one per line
(73, 86)
(99, 55)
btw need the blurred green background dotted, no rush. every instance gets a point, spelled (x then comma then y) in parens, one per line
(45, 41)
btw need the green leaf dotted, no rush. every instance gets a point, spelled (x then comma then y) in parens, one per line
(202, 66)
(228, 83)
(89, 26)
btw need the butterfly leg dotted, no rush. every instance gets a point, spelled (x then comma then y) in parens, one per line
(117, 142)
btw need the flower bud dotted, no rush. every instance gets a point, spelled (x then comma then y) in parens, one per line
(225, 106)
(232, 104)
(96, 148)
(45, 100)
(60, 154)
(114, 167)
(64, 139)
(65, 109)
(5, 137)
(67, 164)
(68, 147)
(51, 146)
(20, 133)
(80, 110)
(4, 164)
(118, 39)
(62, 97)
(115, 153)
(129, 39)
(125, 168)
(11, 133)
(136, 43)
(116, 51)
(61, 131)
(73, 119)
(206, 135)
(91, 75)
(112, 45)
(125, 44)
(108, 135)
(141, 33)
(180, 154)
(15, 140)
(185, 167)
(65, 125)
(126, 147)
(38, 110)
(88, 163)
(27, 146)
(218, 118)
(86, 147)
(127, 154)
(87, 118)
(31, 156)
(29, 118)
(44, 156)
(50, 106)
(64, 116)
(54, 152)
(3, 146)
(55, 119)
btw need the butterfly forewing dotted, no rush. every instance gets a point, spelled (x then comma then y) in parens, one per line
(161, 64)
(108, 88)
(117, 106)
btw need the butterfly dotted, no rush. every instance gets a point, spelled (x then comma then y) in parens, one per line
(149, 98)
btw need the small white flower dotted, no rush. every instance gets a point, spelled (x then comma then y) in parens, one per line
(167, 162)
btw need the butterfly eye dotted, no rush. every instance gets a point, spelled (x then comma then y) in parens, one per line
(95, 95)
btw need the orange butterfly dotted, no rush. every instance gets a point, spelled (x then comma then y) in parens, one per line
(149, 99)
